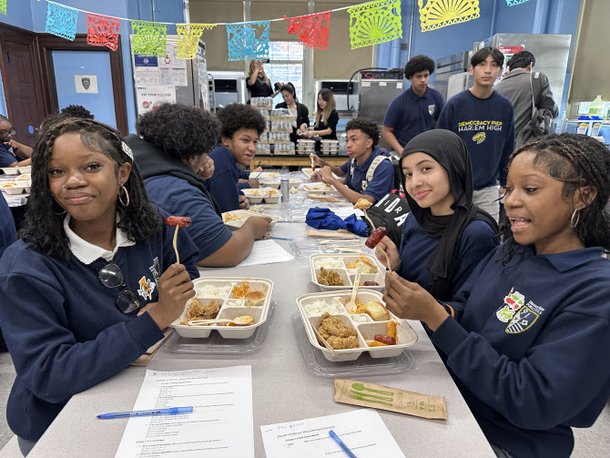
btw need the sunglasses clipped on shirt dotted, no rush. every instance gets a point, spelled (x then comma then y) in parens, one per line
(111, 276)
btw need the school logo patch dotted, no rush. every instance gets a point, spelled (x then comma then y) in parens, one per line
(522, 321)
(431, 109)
(479, 137)
(147, 286)
(519, 315)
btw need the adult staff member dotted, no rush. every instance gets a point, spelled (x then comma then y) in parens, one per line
(258, 82)
(368, 173)
(416, 109)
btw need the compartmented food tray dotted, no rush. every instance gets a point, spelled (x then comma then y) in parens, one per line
(215, 344)
(332, 272)
(363, 327)
(257, 195)
(320, 188)
(225, 299)
(237, 218)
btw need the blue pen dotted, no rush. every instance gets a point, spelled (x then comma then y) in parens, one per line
(274, 237)
(144, 413)
(341, 444)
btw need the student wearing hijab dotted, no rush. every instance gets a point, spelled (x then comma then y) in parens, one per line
(445, 235)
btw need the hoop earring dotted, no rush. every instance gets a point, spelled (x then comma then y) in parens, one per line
(124, 194)
(573, 223)
(61, 213)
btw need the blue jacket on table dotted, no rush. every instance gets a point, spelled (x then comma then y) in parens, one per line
(416, 247)
(410, 114)
(529, 347)
(63, 329)
(488, 130)
(224, 183)
(383, 177)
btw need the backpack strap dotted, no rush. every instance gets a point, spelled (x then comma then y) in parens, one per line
(371, 171)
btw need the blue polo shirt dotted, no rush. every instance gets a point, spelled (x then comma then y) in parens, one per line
(7, 155)
(529, 346)
(207, 229)
(383, 178)
(416, 247)
(224, 183)
(409, 114)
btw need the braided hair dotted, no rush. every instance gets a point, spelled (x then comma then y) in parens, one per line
(43, 226)
(578, 161)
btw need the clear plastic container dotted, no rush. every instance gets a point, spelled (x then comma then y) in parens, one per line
(216, 345)
(361, 367)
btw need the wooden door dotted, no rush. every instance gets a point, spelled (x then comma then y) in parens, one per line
(25, 100)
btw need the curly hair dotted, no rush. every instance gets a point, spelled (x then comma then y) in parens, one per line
(418, 64)
(77, 111)
(237, 116)
(578, 161)
(43, 226)
(366, 125)
(179, 130)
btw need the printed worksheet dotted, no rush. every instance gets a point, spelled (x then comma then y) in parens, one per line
(220, 425)
(266, 252)
(362, 431)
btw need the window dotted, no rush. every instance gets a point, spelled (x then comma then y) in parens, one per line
(286, 64)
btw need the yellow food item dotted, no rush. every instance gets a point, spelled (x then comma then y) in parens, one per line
(363, 204)
(376, 311)
(338, 335)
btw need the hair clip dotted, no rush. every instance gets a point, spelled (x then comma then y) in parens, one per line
(127, 150)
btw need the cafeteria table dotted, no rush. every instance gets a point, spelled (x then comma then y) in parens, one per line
(284, 386)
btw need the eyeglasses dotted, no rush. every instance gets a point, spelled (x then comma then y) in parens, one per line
(111, 276)
(4, 133)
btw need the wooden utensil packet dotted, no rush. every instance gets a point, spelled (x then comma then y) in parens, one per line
(387, 398)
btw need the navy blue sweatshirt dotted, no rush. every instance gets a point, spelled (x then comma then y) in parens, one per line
(223, 185)
(63, 329)
(416, 247)
(529, 347)
(488, 130)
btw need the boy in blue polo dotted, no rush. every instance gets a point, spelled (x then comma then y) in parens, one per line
(369, 173)
(241, 126)
(416, 109)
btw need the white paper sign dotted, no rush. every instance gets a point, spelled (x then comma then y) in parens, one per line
(362, 431)
(85, 84)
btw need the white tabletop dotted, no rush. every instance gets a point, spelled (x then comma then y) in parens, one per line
(284, 389)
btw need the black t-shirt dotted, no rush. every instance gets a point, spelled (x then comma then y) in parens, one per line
(331, 123)
(260, 88)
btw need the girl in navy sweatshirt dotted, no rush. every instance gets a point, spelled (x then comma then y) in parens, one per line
(527, 337)
(445, 235)
(94, 279)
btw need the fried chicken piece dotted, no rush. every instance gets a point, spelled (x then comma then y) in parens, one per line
(199, 311)
(338, 335)
(363, 204)
(329, 278)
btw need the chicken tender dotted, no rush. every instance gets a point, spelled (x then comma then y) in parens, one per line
(338, 335)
